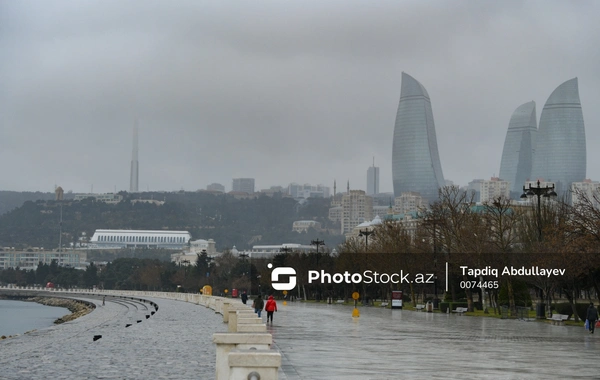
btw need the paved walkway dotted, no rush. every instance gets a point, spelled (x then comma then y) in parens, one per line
(316, 342)
(174, 343)
(325, 342)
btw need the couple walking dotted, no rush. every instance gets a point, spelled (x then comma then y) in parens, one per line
(270, 307)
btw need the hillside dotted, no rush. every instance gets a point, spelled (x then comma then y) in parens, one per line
(227, 220)
(10, 200)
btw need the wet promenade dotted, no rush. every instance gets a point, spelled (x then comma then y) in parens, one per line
(174, 343)
(315, 341)
(325, 342)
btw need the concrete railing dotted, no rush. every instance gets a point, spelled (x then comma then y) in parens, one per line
(242, 353)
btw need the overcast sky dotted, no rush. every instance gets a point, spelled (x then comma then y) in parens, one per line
(281, 91)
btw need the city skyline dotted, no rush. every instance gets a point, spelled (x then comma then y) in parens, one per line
(277, 92)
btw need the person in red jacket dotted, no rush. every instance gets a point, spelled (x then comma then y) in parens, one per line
(270, 307)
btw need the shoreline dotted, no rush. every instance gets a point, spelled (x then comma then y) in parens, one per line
(78, 308)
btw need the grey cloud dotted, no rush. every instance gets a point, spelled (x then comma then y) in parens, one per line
(282, 91)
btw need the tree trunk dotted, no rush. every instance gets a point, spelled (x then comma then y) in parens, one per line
(511, 297)
(573, 308)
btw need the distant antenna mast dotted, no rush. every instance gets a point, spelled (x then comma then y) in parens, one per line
(134, 175)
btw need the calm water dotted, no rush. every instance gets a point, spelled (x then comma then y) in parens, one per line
(18, 317)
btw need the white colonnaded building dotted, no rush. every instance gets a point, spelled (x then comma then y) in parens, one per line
(117, 239)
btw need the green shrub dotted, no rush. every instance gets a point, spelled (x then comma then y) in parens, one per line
(566, 309)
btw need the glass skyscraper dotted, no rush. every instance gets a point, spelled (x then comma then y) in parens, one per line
(415, 158)
(517, 155)
(560, 153)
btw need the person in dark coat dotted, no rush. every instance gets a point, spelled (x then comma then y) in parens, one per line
(244, 297)
(258, 305)
(592, 317)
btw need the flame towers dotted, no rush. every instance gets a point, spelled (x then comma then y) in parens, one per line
(415, 158)
(517, 155)
(560, 154)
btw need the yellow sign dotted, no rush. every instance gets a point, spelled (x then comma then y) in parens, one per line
(355, 313)
(285, 292)
(207, 290)
(226, 291)
(355, 296)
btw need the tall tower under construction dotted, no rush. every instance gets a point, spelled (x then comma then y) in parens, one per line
(134, 176)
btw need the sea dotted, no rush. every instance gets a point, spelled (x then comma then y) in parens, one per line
(18, 317)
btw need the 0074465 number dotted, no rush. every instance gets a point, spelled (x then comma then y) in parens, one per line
(479, 284)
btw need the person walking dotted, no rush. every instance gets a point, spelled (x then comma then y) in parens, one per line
(258, 305)
(592, 317)
(244, 297)
(270, 308)
(103, 300)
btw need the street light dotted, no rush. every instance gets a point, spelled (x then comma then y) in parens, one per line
(539, 192)
(318, 243)
(365, 233)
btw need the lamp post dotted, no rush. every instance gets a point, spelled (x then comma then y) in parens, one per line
(539, 192)
(366, 233)
(318, 243)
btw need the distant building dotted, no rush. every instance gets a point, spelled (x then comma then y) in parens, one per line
(151, 201)
(245, 185)
(409, 201)
(366, 225)
(116, 239)
(216, 187)
(109, 198)
(242, 195)
(273, 190)
(383, 199)
(372, 180)
(30, 260)
(517, 155)
(588, 188)
(381, 210)
(357, 208)
(307, 191)
(304, 225)
(189, 255)
(560, 149)
(59, 193)
(267, 251)
(494, 188)
(415, 158)
(474, 187)
(335, 213)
